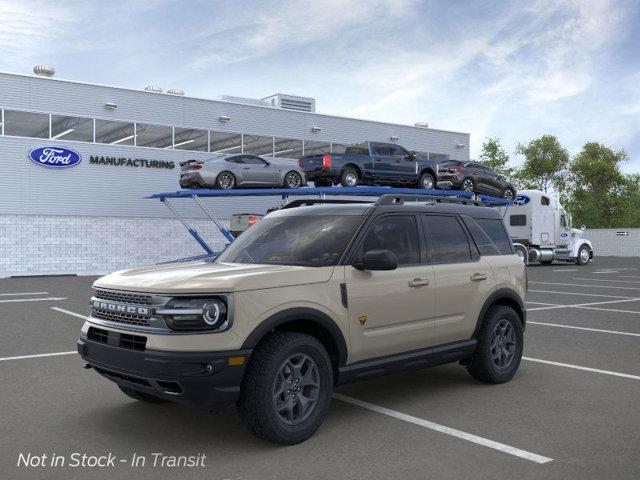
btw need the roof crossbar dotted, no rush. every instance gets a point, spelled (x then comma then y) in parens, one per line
(399, 199)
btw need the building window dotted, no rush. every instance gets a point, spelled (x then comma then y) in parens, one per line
(114, 133)
(72, 128)
(224, 142)
(190, 139)
(157, 136)
(312, 147)
(338, 147)
(287, 148)
(258, 145)
(26, 124)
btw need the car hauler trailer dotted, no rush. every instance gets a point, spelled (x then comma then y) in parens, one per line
(541, 230)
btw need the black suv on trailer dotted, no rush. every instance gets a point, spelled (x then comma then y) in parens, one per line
(476, 177)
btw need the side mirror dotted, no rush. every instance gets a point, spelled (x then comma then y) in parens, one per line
(410, 156)
(378, 260)
(583, 227)
(267, 164)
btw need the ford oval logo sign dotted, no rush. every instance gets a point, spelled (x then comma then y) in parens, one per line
(521, 200)
(56, 157)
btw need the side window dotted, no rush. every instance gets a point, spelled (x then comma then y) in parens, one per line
(563, 221)
(544, 200)
(235, 160)
(397, 233)
(447, 240)
(494, 229)
(253, 160)
(381, 149)
(518, 220)
(396, 151)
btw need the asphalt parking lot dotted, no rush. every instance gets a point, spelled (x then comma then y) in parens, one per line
(572, 411)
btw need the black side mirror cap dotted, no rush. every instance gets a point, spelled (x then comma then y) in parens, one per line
(378, 260)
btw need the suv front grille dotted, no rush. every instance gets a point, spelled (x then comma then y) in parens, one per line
(118, 317)
(123, 340)
(123, 297)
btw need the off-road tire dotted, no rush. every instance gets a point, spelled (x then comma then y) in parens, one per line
(481, 365)
(256, 404)
(345, 173)
(141, 396)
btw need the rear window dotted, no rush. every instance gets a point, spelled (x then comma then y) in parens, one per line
(518, 220)
(449, 163)
(447, 240)
(360, 149)
(490, 236)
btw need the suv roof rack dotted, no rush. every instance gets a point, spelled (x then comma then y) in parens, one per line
(400, 199)
(318, 201)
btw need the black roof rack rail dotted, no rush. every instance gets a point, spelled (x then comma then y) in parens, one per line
(304, 202)
(399, 199)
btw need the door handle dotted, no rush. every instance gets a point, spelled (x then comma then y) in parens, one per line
(246, 168)
(477, 277)
(418, 282)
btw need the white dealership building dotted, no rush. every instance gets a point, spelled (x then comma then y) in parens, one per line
(91, 216)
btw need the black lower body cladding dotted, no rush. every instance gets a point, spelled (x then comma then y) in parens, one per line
(203, 379)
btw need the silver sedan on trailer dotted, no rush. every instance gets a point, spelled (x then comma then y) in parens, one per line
(241, 170)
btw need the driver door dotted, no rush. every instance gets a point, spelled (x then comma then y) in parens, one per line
(391, 311)
(258, 171)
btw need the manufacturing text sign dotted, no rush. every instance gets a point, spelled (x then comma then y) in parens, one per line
(55, 157)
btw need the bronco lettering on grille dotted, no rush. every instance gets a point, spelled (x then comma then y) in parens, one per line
(114, 307)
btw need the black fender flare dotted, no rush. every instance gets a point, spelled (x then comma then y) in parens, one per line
(511, 296)
(297, 314)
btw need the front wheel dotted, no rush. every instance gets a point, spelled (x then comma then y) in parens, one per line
(584, 255)
(427, 181)
(508, 194)
(292, 180)
(499, 351)
(468, 185)
(286, 390)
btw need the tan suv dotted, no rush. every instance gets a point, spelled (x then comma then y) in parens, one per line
(309, 298)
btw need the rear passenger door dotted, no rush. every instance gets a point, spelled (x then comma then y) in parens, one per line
(382, 161)
(463, 279)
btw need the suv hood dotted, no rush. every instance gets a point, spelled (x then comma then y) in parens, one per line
(206, 277)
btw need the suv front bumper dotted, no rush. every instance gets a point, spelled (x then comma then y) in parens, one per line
(204, 379)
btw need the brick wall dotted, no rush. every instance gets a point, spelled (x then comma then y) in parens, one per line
(39, 244)
(608, 242)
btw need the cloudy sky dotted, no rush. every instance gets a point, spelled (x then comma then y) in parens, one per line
(515, 70)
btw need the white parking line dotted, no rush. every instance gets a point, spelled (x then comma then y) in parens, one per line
(566, 269)
(73, 314)
(582, 294)
(537, 303)
(47, 299)
(22, 293)
(604, 280)
(585, 305)
(39, 355)
(608, 309)
(598, 330)
(590, 286)
(628, 276)
(485, 442)
(579, 367)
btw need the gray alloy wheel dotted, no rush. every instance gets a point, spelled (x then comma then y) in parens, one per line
(503, 344)
(467, 185)
(350, 179)
(508, 194)
(293, 180)
(296, 389)
(427, 182)
(225, 181)
(583, 255)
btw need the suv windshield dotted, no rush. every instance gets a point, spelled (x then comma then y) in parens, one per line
(310, 241)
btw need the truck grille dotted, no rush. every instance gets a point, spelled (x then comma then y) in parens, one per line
(118, 317)
(123, 340)
(123, 297)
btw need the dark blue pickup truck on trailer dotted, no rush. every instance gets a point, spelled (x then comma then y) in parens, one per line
(371, 163)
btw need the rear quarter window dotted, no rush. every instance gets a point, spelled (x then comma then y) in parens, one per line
(518, 220)
(490, 236)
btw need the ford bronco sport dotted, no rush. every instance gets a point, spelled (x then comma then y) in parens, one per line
(309, 298)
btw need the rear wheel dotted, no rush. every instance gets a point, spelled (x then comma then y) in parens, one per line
(292, 180)
(508, 194)
(286, 390)
(427, 181)
(584, 256)
(141, 396)
(225, 181)
(468, 185)
(349, 178)
(499, 351)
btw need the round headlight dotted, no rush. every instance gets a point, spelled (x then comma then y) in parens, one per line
(214, 313)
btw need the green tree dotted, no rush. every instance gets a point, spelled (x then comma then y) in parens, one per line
(545, 164)
(631, 202)
(495, 157)
(599, 193)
